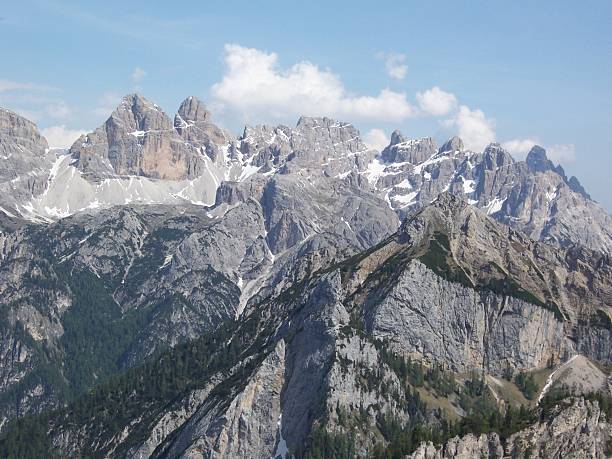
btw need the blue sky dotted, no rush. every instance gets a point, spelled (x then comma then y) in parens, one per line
(516, 72)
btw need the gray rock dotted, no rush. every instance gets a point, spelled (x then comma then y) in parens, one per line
(579, 430)
(138, 139)
(25, 162)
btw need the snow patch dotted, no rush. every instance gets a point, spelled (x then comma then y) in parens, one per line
(494, 206)
(375, 169)
(404, 184)
(469, 186)
(405, 199)
(167, 260)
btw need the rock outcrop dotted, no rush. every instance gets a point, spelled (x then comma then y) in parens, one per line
(578, 430)
(138, 139)
(25, 162)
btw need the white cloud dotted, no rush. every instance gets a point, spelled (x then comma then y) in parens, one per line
(565, 153)
(436, 102)
(519, 148)
(376, 139)
(61, 136)
(137, 75)
(395, 65)
(255, 85)
(474, 128)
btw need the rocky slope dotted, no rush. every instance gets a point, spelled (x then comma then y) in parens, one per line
(138, 279)
(452, 290)
(578, 429)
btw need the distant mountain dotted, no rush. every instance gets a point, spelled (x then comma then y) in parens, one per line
(140, 156)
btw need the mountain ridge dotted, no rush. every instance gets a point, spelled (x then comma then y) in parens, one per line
(141, 155)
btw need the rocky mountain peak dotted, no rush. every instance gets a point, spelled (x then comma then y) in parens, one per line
(495, 156)
(397, 137)
(414, 151)
(137, 139)
(453, 144)
(447, 207)
(193, 109)
(576, 186)
(314, 135)
(16, 128)
(137, 114)
(538, 161)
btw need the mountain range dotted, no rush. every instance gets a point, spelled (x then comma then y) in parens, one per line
(170, 289)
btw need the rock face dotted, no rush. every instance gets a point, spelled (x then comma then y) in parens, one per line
(579, 430)
(193, 123)
(25, 162)
(411, 151)
(460, 282)
(138, 139)
(451, 289)
(162, 275)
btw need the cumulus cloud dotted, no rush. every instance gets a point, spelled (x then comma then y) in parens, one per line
(395, 65)
(256, 85)
(436, 102)
(61, 136)
(564, 153)
(476, 130)
(376, 139)
(561, 153)
(519, 148)
(137, 75)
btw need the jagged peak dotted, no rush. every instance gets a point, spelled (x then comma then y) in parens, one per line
(138, 107)
(453, 144)
(193, 109)
(576, 186)
(496, 156)
(310, 122)
(538, 161)
(135, 98)
(397, 137)
(537, 153)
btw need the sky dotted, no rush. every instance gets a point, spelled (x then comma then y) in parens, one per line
(518, 73)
